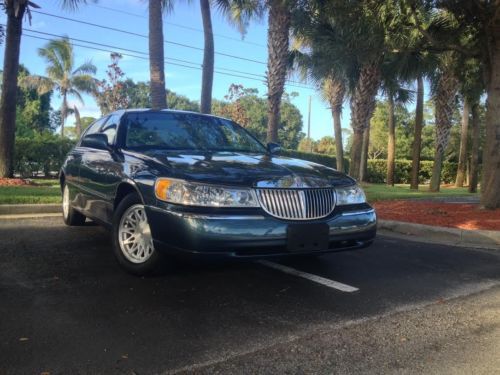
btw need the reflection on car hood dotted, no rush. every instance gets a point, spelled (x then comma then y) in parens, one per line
(247, 169)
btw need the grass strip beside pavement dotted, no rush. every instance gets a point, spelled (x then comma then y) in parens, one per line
(30, 194)
(377, 192)
(48, 191)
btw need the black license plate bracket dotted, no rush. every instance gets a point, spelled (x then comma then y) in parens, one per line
(307, 237)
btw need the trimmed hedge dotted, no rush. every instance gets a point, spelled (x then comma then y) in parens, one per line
(42, 153)
(377, 169)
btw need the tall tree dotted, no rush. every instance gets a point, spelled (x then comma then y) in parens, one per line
(207, 77)
(464, 133)
(417, 137)
(62, 75)
(391, 142)
(334, 91)
(238, 13)
(474, 163)
(362, 106)
(473, 31)
(156, 53)
(279, 18)
(444, 97)
(15, 10)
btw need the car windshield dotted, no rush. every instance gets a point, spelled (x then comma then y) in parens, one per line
(182, 131)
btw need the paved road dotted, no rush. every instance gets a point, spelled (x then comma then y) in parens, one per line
(66, 307)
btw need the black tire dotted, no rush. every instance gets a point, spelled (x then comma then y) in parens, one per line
(155, 260)
(71, 216)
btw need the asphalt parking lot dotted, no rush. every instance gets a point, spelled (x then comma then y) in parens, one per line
(396, 307)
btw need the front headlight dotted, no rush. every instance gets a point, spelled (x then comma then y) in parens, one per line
(195, 194)
(350, 195)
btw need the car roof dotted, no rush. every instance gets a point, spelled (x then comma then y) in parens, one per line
(134, 110)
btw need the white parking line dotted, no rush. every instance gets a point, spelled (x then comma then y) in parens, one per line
(317, 279)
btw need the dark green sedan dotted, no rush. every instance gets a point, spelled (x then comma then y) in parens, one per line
(169, 182)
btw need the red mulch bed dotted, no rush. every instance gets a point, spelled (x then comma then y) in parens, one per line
(14, 182)
(453, 215)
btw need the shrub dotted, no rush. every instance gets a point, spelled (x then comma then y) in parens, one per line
(377, 169)
(43, 152)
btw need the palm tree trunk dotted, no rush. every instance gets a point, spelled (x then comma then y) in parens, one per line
(78, 122)
(462, 159)
(9, 88)
(391, 143)
(356, 153)
(363, 167)
(64, 112)
(156, 56)
(445, 97)
(362, 106)
(207, 77)
(474, 163)
(417, 138)
(334, 90)
(277, 46)
(490, 198)
(339, 147)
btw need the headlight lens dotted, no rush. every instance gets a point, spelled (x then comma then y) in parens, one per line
(350, 195)
(194, 194)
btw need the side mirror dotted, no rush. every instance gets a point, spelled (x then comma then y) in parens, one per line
(96, 140)
(273, 148)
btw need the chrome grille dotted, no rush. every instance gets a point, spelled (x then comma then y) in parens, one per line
(297, 204)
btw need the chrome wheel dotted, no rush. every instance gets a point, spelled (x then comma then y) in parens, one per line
(134, 235)
(65, 201)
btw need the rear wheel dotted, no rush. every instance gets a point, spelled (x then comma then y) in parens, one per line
(70, 215)
(132, 240)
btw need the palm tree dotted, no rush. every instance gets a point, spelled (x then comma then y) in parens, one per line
(471, 88)
(207, 77)
(474, 162)
(473, 32)
(62, 76)
(156, 53)
(334, 91)
(15, 10)
(362, 107)
(417, 135)
(278, 40)
(462, 157)
(444, 98)
(238, 13)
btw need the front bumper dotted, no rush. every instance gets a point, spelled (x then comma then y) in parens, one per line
(252, 235)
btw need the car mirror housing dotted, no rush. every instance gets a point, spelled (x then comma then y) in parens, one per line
(98, 141)
(273, 148)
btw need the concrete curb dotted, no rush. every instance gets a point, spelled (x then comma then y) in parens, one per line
(21, 209)
(475, 238)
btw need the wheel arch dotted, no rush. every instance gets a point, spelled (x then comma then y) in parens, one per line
(125, 188)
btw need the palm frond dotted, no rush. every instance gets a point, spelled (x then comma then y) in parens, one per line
(84, 83)
(41, 84)
(86, 68)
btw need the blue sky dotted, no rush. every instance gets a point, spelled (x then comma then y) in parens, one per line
(179, 79)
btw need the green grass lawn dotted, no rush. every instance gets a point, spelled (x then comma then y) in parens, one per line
(47, 191)
(376, 192)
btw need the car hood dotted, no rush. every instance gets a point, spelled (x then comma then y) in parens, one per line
(246, 169)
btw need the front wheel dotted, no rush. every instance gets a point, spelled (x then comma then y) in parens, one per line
(70, 215)
(132, 241)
